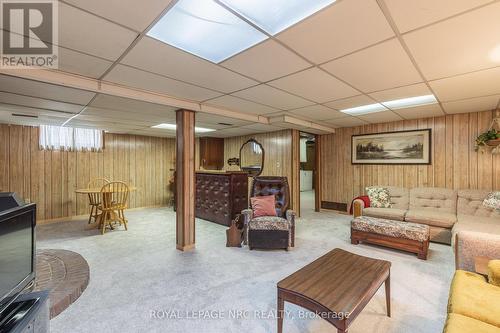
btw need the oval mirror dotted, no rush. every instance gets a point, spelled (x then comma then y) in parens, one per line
(252, 157)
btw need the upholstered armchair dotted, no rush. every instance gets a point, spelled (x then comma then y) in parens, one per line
(270, 232)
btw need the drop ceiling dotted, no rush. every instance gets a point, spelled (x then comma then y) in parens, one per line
(350, 53)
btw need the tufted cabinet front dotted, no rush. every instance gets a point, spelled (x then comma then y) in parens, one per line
(220, 196)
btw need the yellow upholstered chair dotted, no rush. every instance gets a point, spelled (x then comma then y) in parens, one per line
(114, 198)
(95, 198)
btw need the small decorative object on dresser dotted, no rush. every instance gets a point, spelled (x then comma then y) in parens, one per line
(406, 236)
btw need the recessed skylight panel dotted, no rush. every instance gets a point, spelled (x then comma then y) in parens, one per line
(206, 29)
(276, 15)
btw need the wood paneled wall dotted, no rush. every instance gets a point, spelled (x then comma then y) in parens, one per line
(277, 153)
(49, 178)
(455, 164)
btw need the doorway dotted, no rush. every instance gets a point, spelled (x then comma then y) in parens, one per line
(308, 169)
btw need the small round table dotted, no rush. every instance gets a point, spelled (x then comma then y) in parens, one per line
(106, 196)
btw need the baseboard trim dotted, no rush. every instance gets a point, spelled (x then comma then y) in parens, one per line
(338, 206)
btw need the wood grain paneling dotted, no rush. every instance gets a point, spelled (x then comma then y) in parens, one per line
(277, 148)
(49, 178)
(455, 164)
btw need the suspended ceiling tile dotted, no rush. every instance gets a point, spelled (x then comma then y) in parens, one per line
(477, 84)
(157, 57)
(472, 105)
(137, 15)
(411, 14)
(316, 112)
(226, 133)
(131, 105)
(379, 67)
(381, 117)
(90, 34)
(316, 85)
(329, 33)
(419, 89)
(273, 97)
(348, 121)
(35, 102)
(351, 102)
(459, 45)
(82, 64)
(241, 105)
(424, 111)
(266, 61)
(147, 81)
(44, 90)
(219, 120)
(262, 128)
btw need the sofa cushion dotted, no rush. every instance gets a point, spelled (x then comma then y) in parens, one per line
(494, 272)
(470, 202)
(489, 225)
(396, 229)
(433, 218)
(456, 323)
(268, 223)
(433, 199)
(379, 197)
(472, 296)
(385, 213)
(400, 197)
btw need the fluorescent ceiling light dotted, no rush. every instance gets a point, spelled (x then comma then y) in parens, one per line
(174, 126)
(410, 102)
(365, 109)
(206, 29)
(277, 15)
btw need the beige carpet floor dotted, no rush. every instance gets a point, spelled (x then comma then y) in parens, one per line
(140, 283)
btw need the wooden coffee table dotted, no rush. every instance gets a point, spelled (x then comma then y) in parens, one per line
(336, 286)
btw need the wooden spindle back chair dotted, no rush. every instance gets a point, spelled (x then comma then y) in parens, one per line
(114, 199)
(95, 198)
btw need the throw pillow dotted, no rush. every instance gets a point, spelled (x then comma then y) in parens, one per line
(492, 200)
(379, 197)
(263, 205)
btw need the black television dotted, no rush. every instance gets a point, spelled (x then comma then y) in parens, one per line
(17, 248)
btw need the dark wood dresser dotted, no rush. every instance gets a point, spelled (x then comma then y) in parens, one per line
(220, 195)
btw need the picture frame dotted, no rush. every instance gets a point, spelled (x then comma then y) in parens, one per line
(412, 147)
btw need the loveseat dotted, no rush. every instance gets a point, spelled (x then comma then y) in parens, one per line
(450, 214)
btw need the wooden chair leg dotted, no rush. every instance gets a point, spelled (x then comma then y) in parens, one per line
(122, 217)
(91, 213)
(104, 222)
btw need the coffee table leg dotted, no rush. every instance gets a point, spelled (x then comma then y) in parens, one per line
(388, 295)
(281, 306)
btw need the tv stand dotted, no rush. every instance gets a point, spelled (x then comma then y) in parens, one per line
(28, 314)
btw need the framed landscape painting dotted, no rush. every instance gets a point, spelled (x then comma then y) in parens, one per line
(405, 147)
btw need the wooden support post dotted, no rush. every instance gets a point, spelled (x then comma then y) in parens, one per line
(317, 174)
(295, 181)
(185, 179)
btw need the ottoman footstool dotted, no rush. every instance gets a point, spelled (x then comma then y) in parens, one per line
(410, 237)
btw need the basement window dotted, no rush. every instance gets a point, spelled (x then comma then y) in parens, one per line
(70, 139)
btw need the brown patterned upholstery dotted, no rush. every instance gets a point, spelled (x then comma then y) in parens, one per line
(270, 232)
(277, 186)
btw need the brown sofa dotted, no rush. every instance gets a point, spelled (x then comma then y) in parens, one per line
(447, 212)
